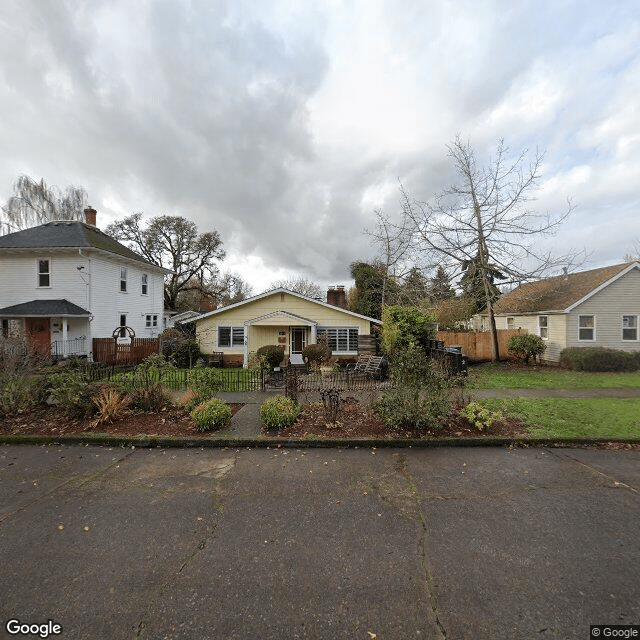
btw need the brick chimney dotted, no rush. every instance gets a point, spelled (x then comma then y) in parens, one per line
(90, 216)
(341, 296)
(331, 296)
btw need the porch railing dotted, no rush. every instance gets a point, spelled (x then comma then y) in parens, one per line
(64, 348)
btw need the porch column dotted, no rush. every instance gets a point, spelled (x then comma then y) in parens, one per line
(245, 356)
(314, 337)
(64, 336)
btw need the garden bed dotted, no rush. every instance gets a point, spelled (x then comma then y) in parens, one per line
(50, 421)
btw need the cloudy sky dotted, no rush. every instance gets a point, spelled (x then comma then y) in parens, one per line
(283, 124)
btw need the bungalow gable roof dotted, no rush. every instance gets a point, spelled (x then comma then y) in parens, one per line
(287, 291)
(560, 293)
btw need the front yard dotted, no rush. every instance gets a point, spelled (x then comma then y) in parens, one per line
(536, 417)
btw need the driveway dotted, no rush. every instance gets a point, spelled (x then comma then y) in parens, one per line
(323, 543)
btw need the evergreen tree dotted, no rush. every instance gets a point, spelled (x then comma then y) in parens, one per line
(441, 288)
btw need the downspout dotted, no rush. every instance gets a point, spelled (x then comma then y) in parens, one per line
(88, 296)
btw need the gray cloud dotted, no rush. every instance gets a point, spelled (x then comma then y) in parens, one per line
(285, 130)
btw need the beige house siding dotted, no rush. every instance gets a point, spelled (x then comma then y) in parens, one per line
(621, 297)
(267, 330)
(556, 333)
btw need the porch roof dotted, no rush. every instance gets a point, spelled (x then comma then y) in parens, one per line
(280, 318)
(44, 309)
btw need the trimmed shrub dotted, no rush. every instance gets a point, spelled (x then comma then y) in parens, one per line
(184, 353)
(17, 393)
(527, 346)
(270, 355)
(205, 382)
(72, 393)
(479, 416)
(316, 354)
(278, 413)
(150, 398)
(599, 359)
(211, 414)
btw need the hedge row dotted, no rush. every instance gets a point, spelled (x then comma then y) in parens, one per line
(599, 359)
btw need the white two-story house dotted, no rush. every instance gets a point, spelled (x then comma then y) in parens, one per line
(64, 283)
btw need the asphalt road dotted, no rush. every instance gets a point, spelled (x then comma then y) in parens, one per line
(354, 544)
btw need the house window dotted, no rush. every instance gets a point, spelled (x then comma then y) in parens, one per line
(151, 321)
(510, 323)
(230, 336)
(629, 327)
(543, 327)
(145, 284)
(123, 324)
(44, 273)
(5, 328)
(123, 279)
(340, 339)
(586, 327)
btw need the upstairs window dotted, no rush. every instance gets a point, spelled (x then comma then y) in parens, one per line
(629, 327)
(123, 279)
(543, 327)
(586, 327)
(44, 273)
(145, 284)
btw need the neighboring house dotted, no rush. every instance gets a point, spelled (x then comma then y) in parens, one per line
(600, 307)
(174, 317)
(64, 283)
(287, 319)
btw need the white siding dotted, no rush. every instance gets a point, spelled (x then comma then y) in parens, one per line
(94, 287)
(622, 297)
(109, 303)
(556, 332)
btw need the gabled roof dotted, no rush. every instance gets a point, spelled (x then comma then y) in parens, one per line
(560, 293)
(44, 309)
(292, 293)
(69, 234)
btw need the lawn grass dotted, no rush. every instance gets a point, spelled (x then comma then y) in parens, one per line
(509, 376)
(574, 417)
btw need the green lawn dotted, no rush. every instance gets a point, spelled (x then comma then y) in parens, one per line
(505, 376)
(574, 417)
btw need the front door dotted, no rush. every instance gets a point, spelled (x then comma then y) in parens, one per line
(38, 332)
(298, 339)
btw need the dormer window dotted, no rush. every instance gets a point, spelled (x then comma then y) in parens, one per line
(123, 279)
(44, 273)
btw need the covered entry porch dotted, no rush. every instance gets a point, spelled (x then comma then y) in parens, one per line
(51, 328)
(291, 332)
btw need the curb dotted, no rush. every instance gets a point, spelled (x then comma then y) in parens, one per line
(309, 443)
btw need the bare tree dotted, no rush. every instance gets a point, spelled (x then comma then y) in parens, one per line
(394, 248)
(485, 219)
(300, 285)
(173, 242)
(35, 203)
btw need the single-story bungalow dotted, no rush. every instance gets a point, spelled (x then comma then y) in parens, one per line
(596, 308)
(288, 319)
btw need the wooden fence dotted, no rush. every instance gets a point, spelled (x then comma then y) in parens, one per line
(476, 345)
(111, 352)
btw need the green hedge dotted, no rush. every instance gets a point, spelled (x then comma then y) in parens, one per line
(599, 359)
